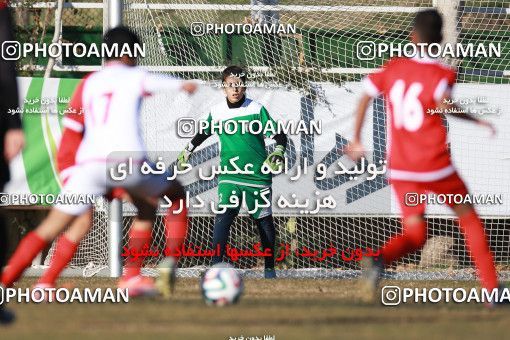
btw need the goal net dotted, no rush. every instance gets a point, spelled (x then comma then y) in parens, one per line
(311, 72)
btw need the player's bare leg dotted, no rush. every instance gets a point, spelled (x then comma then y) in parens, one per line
(79, 228)
(33, 243)
(412, 239)
(54, 224)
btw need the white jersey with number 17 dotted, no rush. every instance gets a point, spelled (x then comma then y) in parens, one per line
(111, 101)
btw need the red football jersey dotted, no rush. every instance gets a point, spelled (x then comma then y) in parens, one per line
(416, 139)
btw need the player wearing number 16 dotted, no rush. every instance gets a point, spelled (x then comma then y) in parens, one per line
(418, 157)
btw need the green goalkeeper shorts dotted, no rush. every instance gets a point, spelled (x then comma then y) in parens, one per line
(256, 200)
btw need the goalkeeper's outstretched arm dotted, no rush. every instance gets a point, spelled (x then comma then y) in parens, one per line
(188, 150)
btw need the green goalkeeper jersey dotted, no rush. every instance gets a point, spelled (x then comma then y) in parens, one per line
(242, 131)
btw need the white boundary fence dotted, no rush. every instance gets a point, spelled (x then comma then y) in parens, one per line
(109, 9)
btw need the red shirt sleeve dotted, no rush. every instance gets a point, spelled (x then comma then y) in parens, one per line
(75, 119)
(445, 84)
(452, 77)
(74, 123)
(66, 156)
(374, 83)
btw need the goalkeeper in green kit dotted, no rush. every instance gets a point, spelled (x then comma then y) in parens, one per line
(246, 148)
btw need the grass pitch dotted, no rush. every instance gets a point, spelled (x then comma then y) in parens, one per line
(285, 309)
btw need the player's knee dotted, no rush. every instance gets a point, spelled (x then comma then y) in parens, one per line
(46, 232)
(78, 230)
(413, 220)
(462, 209)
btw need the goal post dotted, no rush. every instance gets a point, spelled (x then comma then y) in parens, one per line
(114, 15)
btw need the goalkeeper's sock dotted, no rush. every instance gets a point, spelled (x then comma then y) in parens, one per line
(267, 237)
(138, 239)
(64, 253)
(28, 248)
(476, 242)
(176, 227)
(412, 239)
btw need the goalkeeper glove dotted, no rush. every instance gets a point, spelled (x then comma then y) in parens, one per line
(274, 160)
(183, 158)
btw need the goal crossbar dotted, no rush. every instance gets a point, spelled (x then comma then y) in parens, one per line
(223, 7)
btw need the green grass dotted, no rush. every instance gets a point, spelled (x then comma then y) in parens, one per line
(288, 309)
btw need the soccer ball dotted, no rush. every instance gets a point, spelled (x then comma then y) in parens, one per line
(221, 285)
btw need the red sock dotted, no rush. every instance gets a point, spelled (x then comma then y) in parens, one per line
(412, 239)
(64, 253)
(176, 227)
(27, 250)
(477, 245)
(138, 239)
